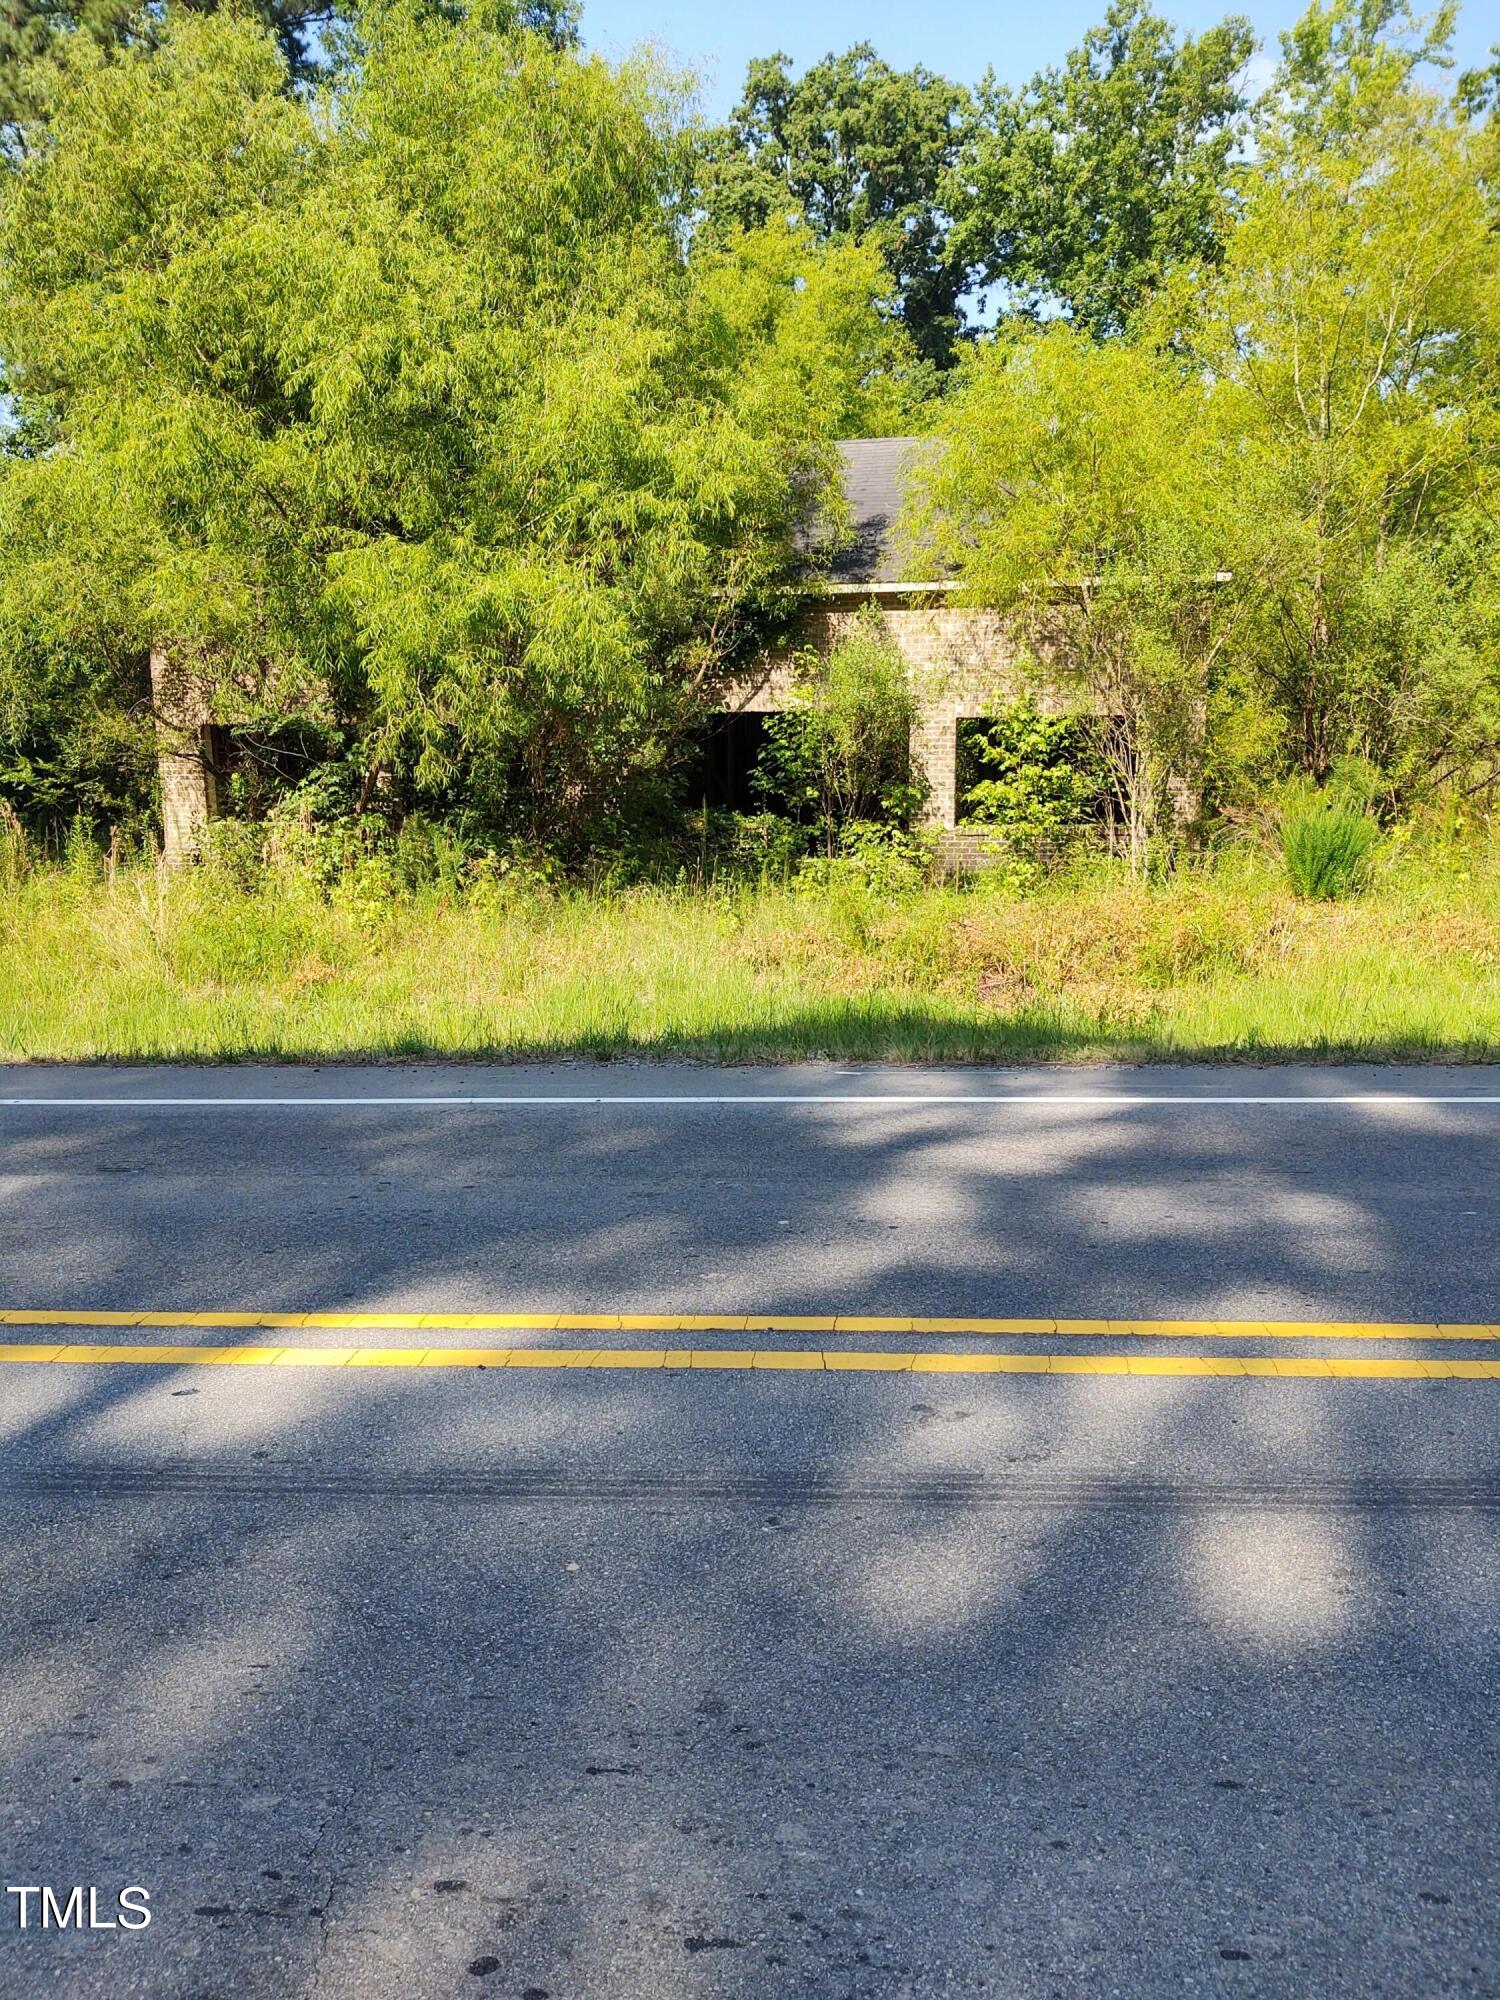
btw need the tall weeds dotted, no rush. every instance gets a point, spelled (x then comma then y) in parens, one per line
(283, 962)
(1327, 850)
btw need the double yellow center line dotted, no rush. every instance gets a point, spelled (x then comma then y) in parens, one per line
(1040, 1327)
(1338, 1367)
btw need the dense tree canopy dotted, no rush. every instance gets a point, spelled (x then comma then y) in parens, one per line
(307, 32)
(1084, 188)
(1354, 332)
(856, 151)
(1261, 529)
(1077, 192)
(413, 412)
(34, 29)
(472, 408)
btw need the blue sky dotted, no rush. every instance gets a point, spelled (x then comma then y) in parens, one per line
(960, 39)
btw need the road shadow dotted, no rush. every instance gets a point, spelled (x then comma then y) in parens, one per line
(656, 1685)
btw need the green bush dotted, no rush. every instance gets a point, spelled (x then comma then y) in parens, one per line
(886, 859)
(1044, 779)
(1327, 850)
(842, 754)
(744, 847)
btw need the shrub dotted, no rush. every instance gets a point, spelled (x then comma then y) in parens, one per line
(750, 847)
(882, 858)
(1043, 777)
(1327, 849)
(841, 754)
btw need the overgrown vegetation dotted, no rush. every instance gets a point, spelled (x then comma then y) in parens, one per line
(1327, 848)
(1041, 780)
(839, 757)
(403, 415)
(1256, 528)
(453, 414)
(297, 949)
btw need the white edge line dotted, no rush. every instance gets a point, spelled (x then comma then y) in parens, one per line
(1115, 1100)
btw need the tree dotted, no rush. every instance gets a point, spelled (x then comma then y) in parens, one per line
(1081, 190)
(856, 150)
(1069, 493)
(1039, 777)
(32, 30)
(414, 415)
(1354, 334)
(1259, 530)
(1478, 90)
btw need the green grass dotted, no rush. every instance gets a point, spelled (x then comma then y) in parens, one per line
(1222, 963)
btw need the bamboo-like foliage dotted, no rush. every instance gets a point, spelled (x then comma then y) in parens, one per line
(406, 405)
(1259, 532)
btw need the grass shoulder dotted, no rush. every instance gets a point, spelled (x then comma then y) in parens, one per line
(1219, 961)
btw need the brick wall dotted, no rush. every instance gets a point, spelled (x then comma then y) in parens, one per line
(962, 661)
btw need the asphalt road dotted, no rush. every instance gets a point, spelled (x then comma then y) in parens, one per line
(391, 1683)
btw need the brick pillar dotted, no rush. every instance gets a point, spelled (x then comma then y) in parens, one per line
(934, 754)
(184, 758)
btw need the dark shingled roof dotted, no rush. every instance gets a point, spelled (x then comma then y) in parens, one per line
(874, 476)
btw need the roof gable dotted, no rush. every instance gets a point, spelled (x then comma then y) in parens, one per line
(874, 475)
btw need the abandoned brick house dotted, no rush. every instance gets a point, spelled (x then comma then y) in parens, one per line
(959, 656)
